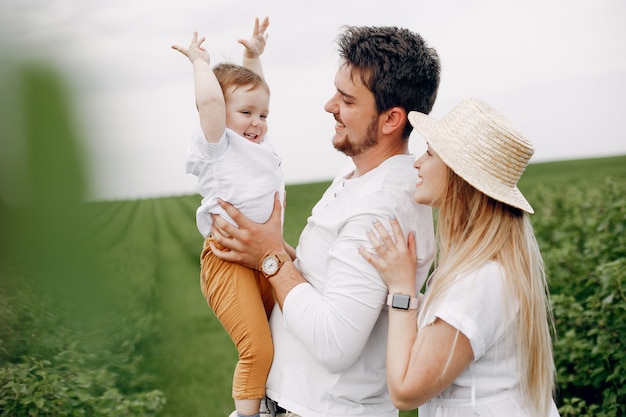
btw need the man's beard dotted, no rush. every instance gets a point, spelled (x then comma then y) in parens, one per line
(369, 141)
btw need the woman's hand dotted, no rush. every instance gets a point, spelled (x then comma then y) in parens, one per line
(395, 260)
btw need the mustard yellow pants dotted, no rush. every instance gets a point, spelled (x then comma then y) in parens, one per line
(242, 300)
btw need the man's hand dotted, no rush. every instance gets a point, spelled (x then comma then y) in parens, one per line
(249, 243)
(195, 50)
(256, 44)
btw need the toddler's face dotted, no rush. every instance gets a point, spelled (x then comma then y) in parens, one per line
(246, 111)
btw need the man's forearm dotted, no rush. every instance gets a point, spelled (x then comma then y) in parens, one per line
(284, 281)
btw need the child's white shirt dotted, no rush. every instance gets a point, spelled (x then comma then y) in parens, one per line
(239, 171)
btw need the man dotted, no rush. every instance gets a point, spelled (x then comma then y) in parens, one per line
(329, 329)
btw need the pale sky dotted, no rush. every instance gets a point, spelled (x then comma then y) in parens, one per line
(556, 68)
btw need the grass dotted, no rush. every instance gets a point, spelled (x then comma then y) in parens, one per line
(580, 171)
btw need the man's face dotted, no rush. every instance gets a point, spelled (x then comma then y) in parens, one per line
(354, 108)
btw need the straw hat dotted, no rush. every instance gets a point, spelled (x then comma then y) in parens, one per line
(482, 147)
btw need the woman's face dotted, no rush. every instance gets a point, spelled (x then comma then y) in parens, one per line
(432, 178)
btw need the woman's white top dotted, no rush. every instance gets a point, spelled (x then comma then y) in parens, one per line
(477, 305)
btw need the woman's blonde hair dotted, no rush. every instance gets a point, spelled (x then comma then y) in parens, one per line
(472, 229)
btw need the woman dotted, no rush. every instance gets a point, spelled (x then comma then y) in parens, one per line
(478, 340)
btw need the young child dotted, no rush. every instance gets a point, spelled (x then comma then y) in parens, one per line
(234, 161)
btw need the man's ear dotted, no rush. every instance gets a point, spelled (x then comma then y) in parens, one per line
(394, 119)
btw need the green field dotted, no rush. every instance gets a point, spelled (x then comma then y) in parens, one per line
(146, 283)
(101, 312)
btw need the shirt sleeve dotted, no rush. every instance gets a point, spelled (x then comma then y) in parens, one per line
(336, 323)
(200, 152)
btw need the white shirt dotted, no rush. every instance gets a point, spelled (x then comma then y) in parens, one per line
(239, 171)
(477, 305)
(330, 340)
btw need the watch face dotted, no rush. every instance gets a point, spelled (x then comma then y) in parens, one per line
(401, 301)
(270, 265)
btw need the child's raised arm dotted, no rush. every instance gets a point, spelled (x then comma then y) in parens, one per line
(209, 96)
(255, 46)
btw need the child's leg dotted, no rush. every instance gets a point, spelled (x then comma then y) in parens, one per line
(234, 294)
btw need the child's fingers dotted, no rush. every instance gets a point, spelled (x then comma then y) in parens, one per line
(264, 24)
(179, 49)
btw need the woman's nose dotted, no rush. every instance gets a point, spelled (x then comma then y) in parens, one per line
(418, 162)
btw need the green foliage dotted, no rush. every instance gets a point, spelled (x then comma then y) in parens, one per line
(58, 361)
(66, 387)
(581, 229)
(68, 338)
(165, 336)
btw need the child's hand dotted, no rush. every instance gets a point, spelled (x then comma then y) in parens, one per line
(195, 50)
(256, 44)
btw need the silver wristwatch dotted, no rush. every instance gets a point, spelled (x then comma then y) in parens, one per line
(402, 301)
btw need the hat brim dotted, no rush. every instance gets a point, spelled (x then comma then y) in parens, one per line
(458, 158)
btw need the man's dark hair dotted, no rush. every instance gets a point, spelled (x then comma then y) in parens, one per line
(395, 64)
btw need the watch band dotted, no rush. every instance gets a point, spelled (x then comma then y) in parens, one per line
(283, 257)
(402, 302)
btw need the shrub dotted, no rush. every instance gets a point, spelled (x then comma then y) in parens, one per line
(52, 369)
(581, 229)
(66, 387)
